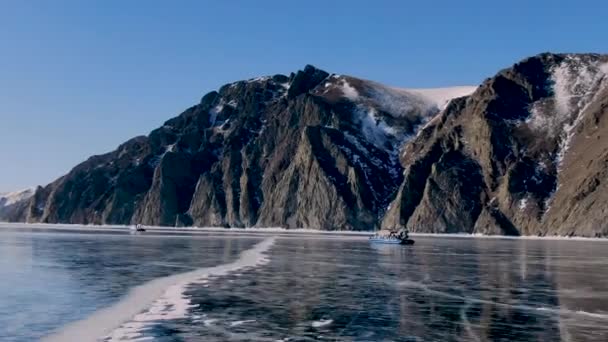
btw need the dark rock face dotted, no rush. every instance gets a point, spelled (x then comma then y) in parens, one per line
(526, 153)
(310, 150)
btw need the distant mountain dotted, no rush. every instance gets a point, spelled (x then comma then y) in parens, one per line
(524, 153)
(12, 204)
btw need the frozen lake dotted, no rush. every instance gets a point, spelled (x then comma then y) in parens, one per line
(303, 287)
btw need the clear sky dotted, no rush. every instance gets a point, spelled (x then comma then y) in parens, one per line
(77, 78)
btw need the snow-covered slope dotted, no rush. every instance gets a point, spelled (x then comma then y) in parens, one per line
(10, 198)
(442, 96)
(577, 81)
(389, 116)
(391, 100)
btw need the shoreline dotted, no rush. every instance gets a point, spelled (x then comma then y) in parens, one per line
(273, 231)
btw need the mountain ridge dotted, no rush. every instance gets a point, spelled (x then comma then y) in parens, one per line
(328, 151)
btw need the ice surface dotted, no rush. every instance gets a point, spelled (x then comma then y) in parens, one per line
(439, 289)
(321, 323)
(162, 298)
(237, 323)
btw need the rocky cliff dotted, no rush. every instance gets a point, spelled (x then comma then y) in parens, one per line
(306, 150)
(525, 153)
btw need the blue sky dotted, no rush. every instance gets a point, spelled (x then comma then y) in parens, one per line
(79, 77)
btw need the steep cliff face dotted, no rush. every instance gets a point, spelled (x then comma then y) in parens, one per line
(525, 154)
(306, 150)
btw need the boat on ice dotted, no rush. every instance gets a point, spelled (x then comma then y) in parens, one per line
(391, 237)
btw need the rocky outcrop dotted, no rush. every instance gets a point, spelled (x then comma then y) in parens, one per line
(524, 155)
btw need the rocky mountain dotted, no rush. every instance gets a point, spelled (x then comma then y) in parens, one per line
(523, 153)
(526, 153)
(12, 204)
(306, 150)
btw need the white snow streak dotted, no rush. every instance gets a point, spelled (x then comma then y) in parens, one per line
(237, 323)
(349, 91)
(162, 298)
(258, 79)
(232, 103)
(170, 148)
(374, 129)
(213, 112)
(321, 323)
(523, 203)
(576, 82)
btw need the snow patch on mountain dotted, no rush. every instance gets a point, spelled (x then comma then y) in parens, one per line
(349, 91)
(523, 203)
(171, 148)
(232, 103)
(389, 117)
(258, 79)
(374, 128)
(10, 198)
(575, 83)
(213, 112)
(399, 102)
(604, 68)
(441, 97)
